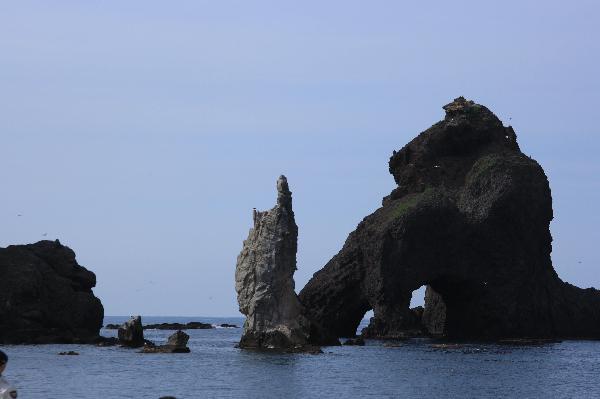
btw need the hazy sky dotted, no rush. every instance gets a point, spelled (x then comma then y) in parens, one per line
(142, 133)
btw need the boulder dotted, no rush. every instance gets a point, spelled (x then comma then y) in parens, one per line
(264, 280)
(409, 326)
(177, 343)
(46, 296)
(178, 340)
(469, 218)
(131, 333)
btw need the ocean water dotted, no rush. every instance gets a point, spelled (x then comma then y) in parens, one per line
(216, 369)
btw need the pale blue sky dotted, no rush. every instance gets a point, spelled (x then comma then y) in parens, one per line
(142, 133)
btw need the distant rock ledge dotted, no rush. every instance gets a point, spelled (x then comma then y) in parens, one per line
(46, 296)
(192, 325)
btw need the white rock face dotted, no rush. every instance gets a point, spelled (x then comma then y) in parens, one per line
(264, 279)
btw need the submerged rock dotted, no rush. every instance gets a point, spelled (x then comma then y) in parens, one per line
(264, 279)
(131, 333)
(470, 218)
(46, 296)
(69, 353)
(225, 325)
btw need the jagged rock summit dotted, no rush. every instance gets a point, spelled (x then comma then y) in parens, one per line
(46, 296)
(470, 219)
(264, 280)
(131, 333)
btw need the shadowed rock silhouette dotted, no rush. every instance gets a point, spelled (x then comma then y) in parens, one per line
(46, 296)
(470, 218)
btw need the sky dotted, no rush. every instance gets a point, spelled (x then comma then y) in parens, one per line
(142, 133)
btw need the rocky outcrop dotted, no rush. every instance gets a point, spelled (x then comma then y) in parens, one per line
(177, 343)
(264, 279)
(470, 218)
(46, 296)
(411, 326)
(434, 314)
(192, 325)
(131, 333)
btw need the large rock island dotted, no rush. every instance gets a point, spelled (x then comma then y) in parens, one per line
(264, 280)
(46, 296)
(470, 219)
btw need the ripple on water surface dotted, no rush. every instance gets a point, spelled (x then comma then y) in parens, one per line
(216, 369)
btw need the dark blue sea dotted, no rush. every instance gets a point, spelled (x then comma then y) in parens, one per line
(216, 369)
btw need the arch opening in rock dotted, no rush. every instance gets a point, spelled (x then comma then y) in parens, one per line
(418, 297)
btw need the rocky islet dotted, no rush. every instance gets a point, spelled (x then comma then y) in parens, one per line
(469, 219)
(264, 280)
(46, 296)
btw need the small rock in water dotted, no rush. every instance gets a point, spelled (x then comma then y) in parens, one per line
(225, 325)
(68, 353)
(178, 340)
(358, 341)
(131, 333)
(177, 343)
(106, 341)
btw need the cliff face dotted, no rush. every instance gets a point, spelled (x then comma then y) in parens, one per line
(46, 297)
(264, 279)
(470, 218)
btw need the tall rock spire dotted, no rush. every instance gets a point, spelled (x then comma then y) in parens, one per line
(264, 279)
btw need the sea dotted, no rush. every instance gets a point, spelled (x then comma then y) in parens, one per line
(215, 368)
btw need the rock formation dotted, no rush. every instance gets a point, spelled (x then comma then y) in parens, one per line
(131, 333)
(434, 314)
(470, 218)
(177, 343)
(264, 279)
(46, 297)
